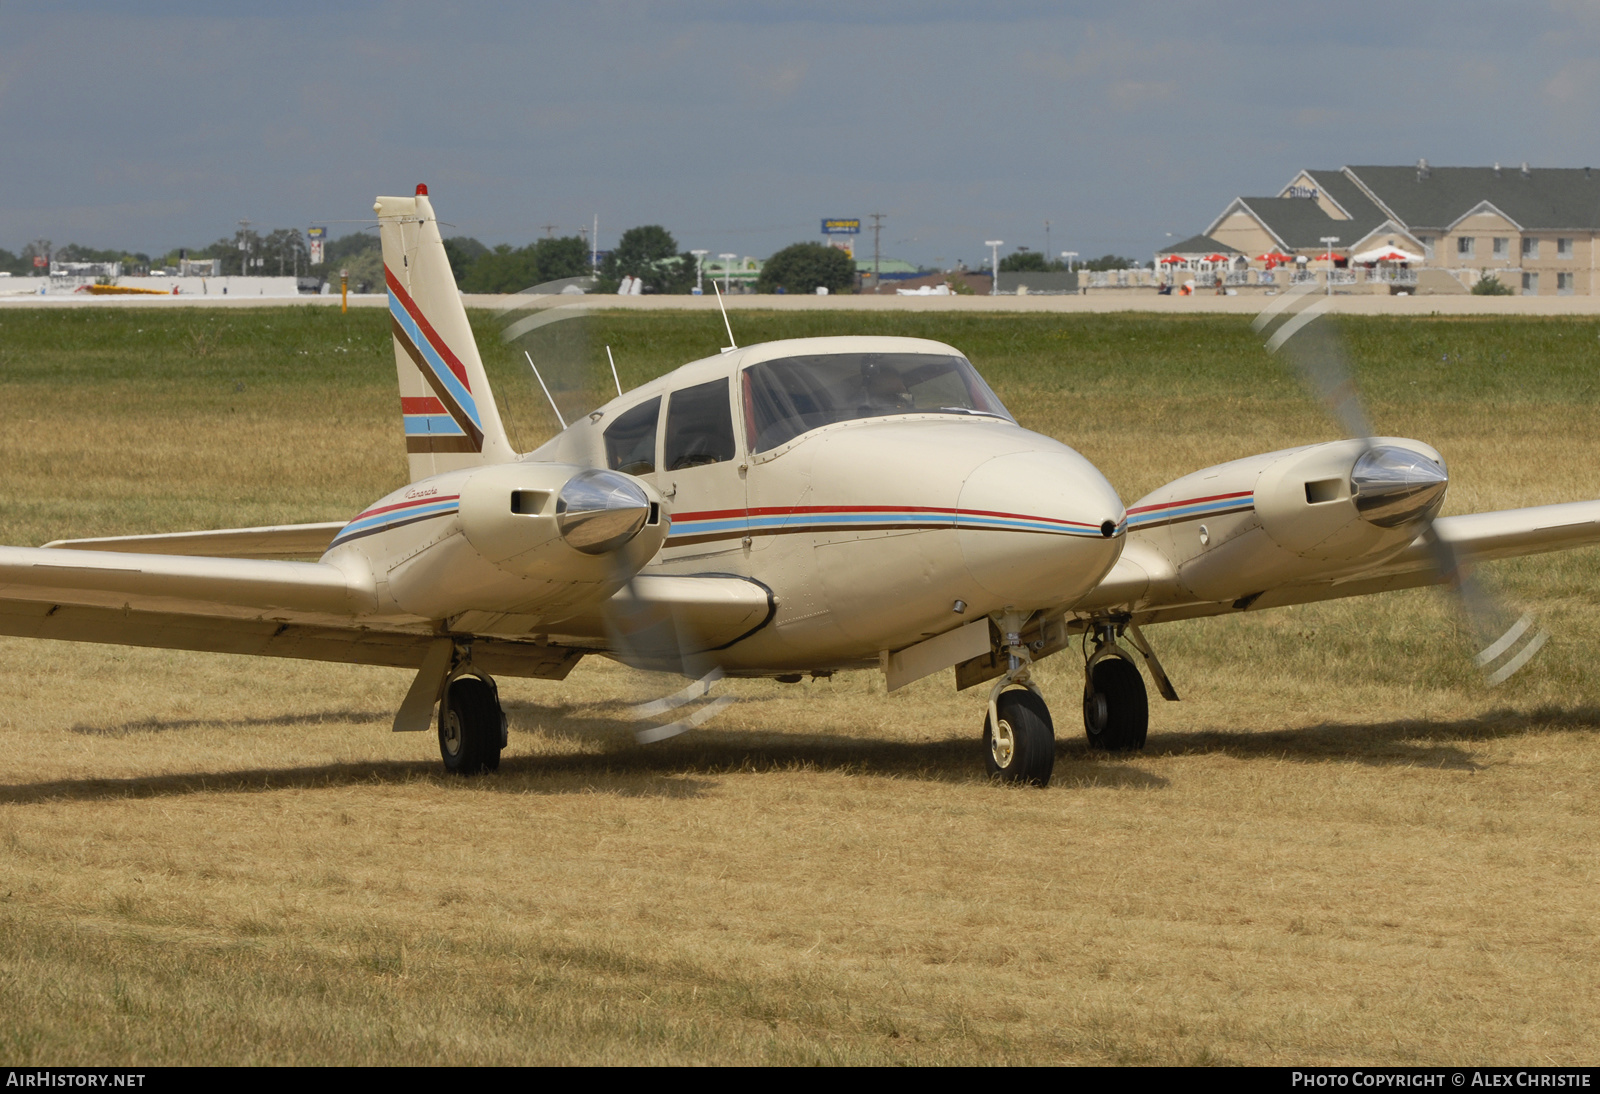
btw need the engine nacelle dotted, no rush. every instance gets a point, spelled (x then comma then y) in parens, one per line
(1350, 500)
(537, 541)
(1269, 520)
(562, 523)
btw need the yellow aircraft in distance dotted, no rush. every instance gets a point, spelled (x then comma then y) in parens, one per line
(802, 506)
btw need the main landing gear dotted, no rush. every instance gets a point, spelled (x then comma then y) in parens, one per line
(1019, 735)
(472, 727)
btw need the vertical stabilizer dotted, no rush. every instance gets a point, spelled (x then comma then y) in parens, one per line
(451, 421)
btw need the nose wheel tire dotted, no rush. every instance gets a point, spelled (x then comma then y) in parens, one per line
(1022, 748)
(471, 728)
(1116, 709)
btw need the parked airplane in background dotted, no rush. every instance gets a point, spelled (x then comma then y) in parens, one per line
(802, 506)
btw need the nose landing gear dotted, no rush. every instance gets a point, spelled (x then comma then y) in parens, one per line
(1018, 735)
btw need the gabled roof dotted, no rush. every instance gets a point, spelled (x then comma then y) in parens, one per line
(1343, 191)
(1545, 199)
(1200, 244)
(1299, 223)
(1482, 207)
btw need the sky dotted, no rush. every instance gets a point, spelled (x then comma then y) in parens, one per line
(739, 125)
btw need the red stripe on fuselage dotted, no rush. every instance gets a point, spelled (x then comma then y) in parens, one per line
(405, 505)
(426, 327)
(1189, 501)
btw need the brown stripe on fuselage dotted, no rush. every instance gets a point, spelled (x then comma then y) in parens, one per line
(432, 442)
(474, 436)
(1146, 525)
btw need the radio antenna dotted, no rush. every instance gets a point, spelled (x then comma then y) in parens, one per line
(547, 395)
(732, 345)
(613, 361)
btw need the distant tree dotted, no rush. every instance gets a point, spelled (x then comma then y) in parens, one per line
(1025, 261)
(285, 251)
(803, 267)
(12, 264)
(39, 248)
(1490, 285)
(504, 270)
(1108, 262)
(359, 252)
(463, 251)
(651, 254)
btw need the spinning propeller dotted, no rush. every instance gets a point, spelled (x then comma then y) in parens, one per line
(597, 509)
(1392, 486)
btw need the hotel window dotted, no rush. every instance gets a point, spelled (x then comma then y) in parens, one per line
(1502, 247)
(1465, 245)
(1563, 248)
(1530, 284)
(1530, 247)
(1564, 284)
(1427, 246)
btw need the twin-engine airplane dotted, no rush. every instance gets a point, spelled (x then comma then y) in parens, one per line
(802, 506)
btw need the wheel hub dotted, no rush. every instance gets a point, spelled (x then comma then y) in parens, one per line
(1002, 744)
(452, 733)
(1096, 712)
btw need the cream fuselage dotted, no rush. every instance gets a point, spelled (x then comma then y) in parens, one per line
(870, 534)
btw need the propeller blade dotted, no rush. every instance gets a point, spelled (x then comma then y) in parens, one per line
(1315, 350)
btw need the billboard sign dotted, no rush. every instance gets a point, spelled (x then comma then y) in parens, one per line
(317, 235)
(839, 226)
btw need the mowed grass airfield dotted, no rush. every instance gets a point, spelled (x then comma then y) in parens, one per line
(1340, 847)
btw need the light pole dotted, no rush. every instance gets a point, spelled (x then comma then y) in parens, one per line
(994, 246)
(1069, 256)
(1327, 250)
(699, 268)
(727, 268)
(244, 247)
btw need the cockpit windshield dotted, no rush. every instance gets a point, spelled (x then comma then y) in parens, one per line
(786, 397)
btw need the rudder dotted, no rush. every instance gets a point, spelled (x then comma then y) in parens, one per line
(451, 421)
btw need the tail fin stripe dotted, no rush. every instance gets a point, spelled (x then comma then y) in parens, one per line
(430, 361)
(438, 344)
(462, 416)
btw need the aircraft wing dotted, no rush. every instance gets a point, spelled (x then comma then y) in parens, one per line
(1143, 581)
(316, 610)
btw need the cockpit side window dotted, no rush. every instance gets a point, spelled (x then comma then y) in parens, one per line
(699, 427)
(791, 395)
(631, 439)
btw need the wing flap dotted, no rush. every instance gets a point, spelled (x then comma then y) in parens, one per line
(273, 541)
(394, 647)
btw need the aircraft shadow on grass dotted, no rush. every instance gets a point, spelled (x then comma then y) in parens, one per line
(686, 766)
(1408, 742)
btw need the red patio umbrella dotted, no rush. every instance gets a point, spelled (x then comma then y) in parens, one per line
(1171, 260)
(1216, 258)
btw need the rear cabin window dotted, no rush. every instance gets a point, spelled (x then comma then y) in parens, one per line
(631, 440)
(786, 397)
(699, 427)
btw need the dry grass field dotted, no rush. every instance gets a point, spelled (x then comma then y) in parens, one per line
(1339, 848)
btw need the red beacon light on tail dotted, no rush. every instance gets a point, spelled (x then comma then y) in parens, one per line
(422, 189)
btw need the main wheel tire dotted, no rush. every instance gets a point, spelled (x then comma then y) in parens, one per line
(1022, 749)
(1116, 709)
(470, 724)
